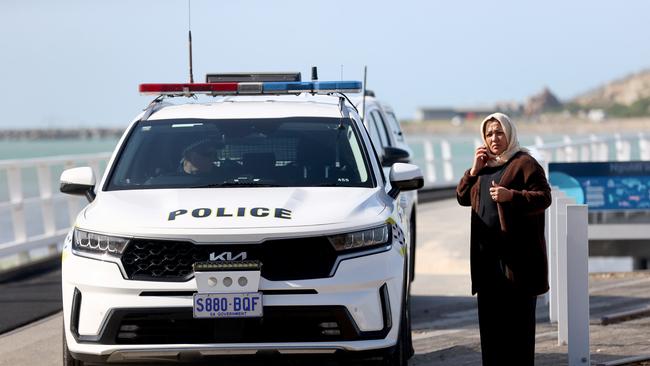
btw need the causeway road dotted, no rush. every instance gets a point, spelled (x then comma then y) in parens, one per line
(445, 325)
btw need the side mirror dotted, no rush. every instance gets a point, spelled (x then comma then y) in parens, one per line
(404, 177)
(394, 155)
(78, 181)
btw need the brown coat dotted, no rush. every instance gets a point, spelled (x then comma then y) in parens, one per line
(522, 223)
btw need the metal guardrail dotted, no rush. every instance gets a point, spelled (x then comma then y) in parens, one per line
(440, 173)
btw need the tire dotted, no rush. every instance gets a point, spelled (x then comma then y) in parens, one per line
(412, 229)
(399, 354)
(68, 360)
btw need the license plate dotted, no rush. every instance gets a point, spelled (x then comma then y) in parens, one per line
(231, 305)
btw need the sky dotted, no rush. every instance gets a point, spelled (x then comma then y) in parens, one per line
(72, 63)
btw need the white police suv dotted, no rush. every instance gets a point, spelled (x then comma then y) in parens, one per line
(388, 139)
(258, 223)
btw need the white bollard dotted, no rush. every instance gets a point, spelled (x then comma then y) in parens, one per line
(552, 254)
(429, 158)
(15, 186)
(623, 149)
(561, 280)
(578, 285)
(585, 152)
(547, 154)
(569, 150)
(560, 154)
(644, 147)
(594, 147)
(604, 151)
(47, 205)
(446, 160)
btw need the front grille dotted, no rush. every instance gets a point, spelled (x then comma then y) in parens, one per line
(279, 324)
(287, 259)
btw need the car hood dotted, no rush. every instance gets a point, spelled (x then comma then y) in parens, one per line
(234, 214)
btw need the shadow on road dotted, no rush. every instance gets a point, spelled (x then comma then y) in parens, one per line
(436, 311)
(29, 299)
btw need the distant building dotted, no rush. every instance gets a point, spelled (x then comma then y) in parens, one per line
(428, 114)
(465, 113)
(509, 107)
(543, 101)
(596, 115)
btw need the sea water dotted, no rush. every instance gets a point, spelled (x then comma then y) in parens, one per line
(24, 149)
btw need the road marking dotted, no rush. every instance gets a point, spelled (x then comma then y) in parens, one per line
(435, 333)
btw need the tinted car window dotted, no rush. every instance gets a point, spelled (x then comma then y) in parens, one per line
(394, 125)
(381, 128)
(374, 133)
(259, 152)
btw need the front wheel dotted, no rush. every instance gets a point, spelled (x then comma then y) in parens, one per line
(399, 354)
(68, 360)
(412, 228)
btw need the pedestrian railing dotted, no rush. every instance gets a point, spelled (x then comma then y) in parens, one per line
(596, 148)
(442, 165)
(34, 215)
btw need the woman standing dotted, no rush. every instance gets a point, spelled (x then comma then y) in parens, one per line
(508, 192)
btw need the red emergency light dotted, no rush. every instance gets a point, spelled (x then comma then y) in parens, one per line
(188, 88)
(252, 88)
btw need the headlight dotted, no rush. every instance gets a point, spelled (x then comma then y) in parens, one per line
(361, 239)
(98, 244)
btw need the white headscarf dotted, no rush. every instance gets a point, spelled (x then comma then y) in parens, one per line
(510, 131)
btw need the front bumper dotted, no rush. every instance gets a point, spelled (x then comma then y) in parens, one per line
(363, 298)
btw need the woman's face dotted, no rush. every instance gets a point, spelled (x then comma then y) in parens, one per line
(495, 137)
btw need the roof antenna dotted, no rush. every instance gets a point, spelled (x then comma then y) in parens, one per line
(314, 73)
(314, 77)
(363, 104)
(189, 27)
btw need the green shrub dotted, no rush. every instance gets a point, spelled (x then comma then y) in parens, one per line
(639, 108)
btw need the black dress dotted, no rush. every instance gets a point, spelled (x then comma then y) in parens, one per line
(506, 314)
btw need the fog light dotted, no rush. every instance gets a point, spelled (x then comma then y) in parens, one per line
(331, 332)
(126, 335)
(129, 328)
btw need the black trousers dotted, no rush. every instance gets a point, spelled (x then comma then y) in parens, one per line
(507, 326)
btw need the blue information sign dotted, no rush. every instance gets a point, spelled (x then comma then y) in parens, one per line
(605, 186)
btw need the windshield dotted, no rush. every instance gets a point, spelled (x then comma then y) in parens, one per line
(284, 152)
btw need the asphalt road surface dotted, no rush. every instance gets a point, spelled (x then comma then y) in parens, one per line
(441, 292)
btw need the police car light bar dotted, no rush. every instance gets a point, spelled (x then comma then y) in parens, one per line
(252, 88)
(253, 77)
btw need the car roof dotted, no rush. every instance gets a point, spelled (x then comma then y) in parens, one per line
(373, 101)
(358, 101)
(235, 107)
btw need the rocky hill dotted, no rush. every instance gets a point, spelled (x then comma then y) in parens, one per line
(623, 92)
(540, 102)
